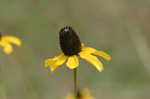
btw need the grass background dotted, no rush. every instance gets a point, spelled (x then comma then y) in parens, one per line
(118, 27)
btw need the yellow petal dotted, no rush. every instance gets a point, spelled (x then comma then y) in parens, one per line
(7, 48)
(55, 62)
(89, 50)
(54, 67)
(59, 61)
(73, 62)
(12, 39)
(49, 62)
(103, 54)
(93, 60)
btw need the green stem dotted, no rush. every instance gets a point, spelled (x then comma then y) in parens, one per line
(75, 81)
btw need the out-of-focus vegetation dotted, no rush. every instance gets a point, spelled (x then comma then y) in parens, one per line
(119, 27)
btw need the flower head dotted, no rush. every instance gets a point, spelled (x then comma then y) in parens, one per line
(5, 42)
(72, 48)
(82, 94)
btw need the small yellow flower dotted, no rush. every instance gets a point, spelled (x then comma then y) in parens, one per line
(5, 42)
(82, 94)
(72, 48)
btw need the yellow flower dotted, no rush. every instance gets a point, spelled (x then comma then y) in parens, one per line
(72, 48)
(82, 94)
(5, 42)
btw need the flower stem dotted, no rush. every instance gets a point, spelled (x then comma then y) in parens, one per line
(75, 81)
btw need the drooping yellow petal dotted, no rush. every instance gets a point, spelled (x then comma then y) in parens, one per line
(59, 61)
(49, 62)
(55, 62)
(93, 60)
(103, 54)
(54, 67)
(73, 62)
(12, 39)
(89, 50)
(7, 48)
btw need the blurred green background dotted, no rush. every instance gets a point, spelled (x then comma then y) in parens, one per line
(118, 27)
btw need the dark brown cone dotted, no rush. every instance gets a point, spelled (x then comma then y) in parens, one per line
(69, 41)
